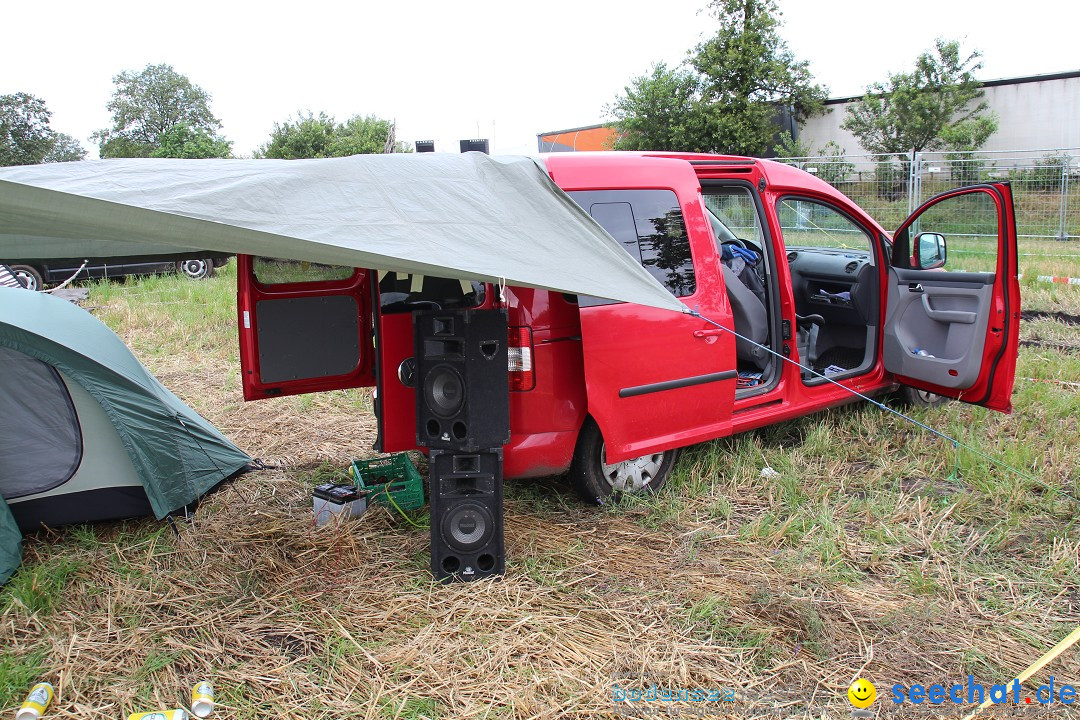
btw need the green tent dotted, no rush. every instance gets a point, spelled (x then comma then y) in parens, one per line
(86, 432)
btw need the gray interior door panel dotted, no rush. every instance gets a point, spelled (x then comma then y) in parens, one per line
(944, 314)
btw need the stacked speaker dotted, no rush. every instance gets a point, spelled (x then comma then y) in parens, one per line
(463, 416)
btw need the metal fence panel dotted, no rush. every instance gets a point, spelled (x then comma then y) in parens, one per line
(1045, 184)
(1044, 192)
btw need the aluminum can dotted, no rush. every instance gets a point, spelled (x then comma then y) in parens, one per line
(36, 702)
(202, 699)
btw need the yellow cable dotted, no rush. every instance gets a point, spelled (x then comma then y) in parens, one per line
(407, 519)
(1035, 667)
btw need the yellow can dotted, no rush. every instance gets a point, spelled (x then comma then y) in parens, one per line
(34, 706)
(178, 714)
(202, 699)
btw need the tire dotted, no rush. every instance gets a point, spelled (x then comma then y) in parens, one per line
(196, 268)
(30, 276)
(914, 397)
(598, 482)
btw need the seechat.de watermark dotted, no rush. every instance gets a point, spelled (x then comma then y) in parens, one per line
(973, 692)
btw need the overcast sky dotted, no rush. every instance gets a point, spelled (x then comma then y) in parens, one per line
(444, 71)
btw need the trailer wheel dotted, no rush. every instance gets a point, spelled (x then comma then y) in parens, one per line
(598, 481)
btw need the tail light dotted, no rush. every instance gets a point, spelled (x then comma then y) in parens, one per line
(520, 360)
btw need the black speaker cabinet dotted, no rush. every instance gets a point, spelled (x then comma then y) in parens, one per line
(466, 515)
(462, 382)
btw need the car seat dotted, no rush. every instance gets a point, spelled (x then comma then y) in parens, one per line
(751, 320)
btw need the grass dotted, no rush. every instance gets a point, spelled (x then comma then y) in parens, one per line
(863, 554)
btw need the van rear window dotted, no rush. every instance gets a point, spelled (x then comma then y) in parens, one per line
(279, 271)
(649, 226)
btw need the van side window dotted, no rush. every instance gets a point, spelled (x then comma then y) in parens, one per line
(649, 226)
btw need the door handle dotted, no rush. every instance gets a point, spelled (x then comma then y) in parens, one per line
(915, 287)
(947, 316)
(709, 336)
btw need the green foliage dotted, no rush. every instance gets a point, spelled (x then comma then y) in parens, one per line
(38, 589)
(26, 137)
(311, 136)
(65, 149)
(790, 147)
(827, 162)
(936, 106)
(890, 179)
(962, 139)
(184, 141)
(728, 96)
(1046, 175)
(148, 106)
(662, 111)
(18, 673)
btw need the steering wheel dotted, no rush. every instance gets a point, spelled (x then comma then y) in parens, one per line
(736, 242)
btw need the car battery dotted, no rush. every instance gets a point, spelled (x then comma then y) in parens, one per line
(333, 499)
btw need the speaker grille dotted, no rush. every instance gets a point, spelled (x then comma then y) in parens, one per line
(467, 527)
(445, 391)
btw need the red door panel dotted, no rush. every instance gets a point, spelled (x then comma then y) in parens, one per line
(396, 402)
(301, 337)
(657, 379)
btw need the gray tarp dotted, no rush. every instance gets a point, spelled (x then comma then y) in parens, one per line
(467, 216)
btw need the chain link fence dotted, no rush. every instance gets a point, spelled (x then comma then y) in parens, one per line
(1045, 185)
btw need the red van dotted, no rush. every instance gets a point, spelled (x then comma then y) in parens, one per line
(610, 391)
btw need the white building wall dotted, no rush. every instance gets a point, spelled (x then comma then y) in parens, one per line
(1032, 115)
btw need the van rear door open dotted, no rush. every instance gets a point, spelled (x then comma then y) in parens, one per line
(304, 327)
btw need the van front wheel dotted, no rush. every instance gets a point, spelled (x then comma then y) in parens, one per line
(598, 481)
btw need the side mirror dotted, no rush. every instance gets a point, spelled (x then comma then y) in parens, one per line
(929, 252)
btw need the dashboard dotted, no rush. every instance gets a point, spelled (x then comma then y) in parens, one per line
(840, 285)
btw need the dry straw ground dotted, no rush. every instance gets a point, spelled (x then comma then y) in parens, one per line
(861, 558)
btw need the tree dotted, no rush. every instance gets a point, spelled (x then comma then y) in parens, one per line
(728, 95)
(65, 149)
(662, 111)
(26, 137)
(311, 136)
(936, 106)
(149, 105)
(362, 135)
(184, 141)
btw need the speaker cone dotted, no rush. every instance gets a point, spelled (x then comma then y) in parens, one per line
(467, 526)
(444, 391)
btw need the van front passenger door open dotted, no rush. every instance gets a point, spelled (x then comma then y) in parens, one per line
(952, 325)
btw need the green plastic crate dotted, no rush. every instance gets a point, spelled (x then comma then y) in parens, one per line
(390, 476)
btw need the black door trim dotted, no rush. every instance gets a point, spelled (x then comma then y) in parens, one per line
(676, 384)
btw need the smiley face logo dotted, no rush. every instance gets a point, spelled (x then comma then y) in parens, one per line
(862, 693)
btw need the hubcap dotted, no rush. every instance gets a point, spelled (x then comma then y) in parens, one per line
(193, 268)
(28, 280)
(632, 475)
(928, 397)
